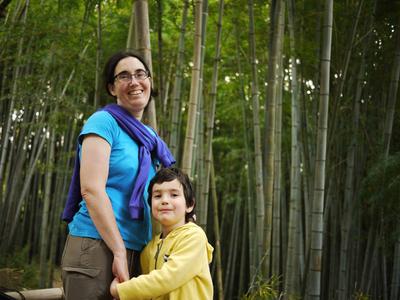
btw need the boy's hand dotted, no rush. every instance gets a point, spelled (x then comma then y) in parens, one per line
(113, 288)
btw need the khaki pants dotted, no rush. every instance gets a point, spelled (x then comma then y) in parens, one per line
(86, 268)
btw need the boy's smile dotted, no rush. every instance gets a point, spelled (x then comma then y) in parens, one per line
(168, 205)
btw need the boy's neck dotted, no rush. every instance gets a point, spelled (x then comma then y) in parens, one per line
(166, 231)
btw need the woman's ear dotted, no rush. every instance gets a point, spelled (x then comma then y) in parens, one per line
(111, 89)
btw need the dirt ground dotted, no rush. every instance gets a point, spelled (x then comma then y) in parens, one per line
(11, 278)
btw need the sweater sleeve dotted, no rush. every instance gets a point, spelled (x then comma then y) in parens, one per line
(145, 259)
(178, 270)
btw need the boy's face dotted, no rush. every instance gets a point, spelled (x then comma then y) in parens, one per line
(168, 205)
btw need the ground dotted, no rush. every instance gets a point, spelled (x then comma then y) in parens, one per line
(14, 279)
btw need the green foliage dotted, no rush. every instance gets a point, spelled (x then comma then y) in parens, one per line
(380, 192)
(17, 259)
(360, 296)
(381, 187)
(18, 271)
(263, 289)
(30, 276)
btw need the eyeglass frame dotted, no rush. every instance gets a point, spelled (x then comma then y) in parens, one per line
(132, 75)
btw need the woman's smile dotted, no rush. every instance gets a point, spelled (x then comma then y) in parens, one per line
(132, 94)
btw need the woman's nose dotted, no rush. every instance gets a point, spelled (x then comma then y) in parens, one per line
(133, 80)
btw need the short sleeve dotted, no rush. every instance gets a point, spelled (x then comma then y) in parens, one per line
(102, 124)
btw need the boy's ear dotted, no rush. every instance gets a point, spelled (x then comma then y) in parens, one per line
(189, 209)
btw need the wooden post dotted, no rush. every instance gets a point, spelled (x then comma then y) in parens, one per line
(44, 294)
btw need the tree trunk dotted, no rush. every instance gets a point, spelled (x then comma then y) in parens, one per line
(131, 40)
(394, 83)
(277, 244)
(57, 234)
(292, 271)
(44, 228)
(314, 275)
(350, 195)
(217, 236)
(21, 198)
(15, 78)
(176, 93)
(269, 149)
(194, 92)
(198, 155)
(343, 76)
(233, 241)
(99, 54)
(160, 66)
(256, 216)
(211, 113)
(142, 42)
(256, 130)
(395, 285)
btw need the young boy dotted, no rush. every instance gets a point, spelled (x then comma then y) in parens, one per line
(175, 264)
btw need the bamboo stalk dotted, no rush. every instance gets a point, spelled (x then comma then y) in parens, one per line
(269, 140)
(211, 114)
(176, 92)
(194, 92)
(217, 235)
(258, 163)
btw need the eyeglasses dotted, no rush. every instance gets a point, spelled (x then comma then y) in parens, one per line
(127, 77)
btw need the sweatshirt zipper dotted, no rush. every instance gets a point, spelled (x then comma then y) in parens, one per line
(157, 253)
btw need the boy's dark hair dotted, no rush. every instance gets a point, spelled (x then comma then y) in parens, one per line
(170, 174)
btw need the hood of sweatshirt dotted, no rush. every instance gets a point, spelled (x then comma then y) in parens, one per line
(192, 227)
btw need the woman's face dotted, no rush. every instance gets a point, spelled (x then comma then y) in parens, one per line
(135, 94)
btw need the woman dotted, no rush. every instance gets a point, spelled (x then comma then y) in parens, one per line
(109, 221)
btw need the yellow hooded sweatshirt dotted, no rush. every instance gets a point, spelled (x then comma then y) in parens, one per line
(174, 268)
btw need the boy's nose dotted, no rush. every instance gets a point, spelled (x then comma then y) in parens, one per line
(164, 200)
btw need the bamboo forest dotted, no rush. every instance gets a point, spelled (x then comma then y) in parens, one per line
(285, 114)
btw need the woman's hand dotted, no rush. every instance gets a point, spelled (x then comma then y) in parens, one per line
(113, 288)
(120, 267)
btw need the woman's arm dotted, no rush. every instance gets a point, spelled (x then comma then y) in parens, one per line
(93, 175)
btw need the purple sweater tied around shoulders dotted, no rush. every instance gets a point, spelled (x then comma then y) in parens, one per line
(149, 145)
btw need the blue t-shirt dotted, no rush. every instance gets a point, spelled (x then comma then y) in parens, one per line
(123, 169)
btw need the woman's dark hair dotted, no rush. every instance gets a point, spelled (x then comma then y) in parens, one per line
(170, 174)
(109, 69)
